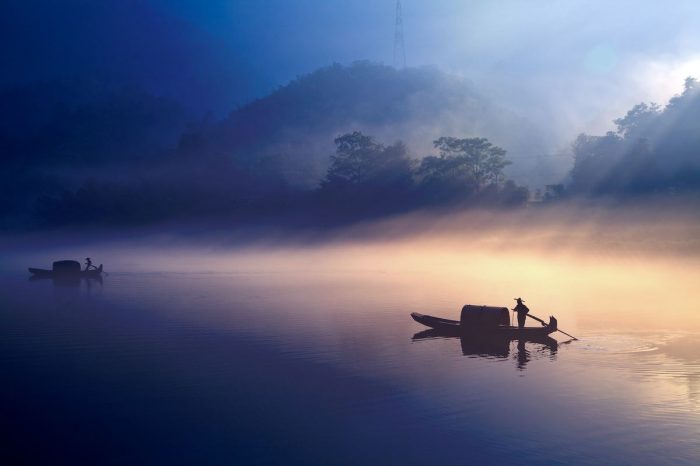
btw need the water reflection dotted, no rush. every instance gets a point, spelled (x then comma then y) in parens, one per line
(682, 363)
(260, 365)
(69, 281)
(499, 347)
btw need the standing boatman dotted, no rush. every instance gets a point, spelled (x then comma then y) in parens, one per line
(522, 311)
(88, 264)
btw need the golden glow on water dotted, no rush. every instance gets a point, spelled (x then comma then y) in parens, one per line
(628, 389)
(594, 270)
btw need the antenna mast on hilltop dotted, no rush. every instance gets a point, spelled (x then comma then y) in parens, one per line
(399, 50)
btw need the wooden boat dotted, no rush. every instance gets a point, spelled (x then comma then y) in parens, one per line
(455, 328)
(66, 269)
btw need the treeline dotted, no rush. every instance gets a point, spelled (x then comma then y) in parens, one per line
(653, 150)
(85, 153)
(365, 179)
(368, 177)
(293, 127)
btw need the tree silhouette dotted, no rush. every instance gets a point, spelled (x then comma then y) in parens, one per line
(638, 120)
(654, 150)
(475, 158)
(367, 177)
(359, 161)
(464, 166)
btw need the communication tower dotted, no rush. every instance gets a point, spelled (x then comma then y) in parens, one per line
(399, 49)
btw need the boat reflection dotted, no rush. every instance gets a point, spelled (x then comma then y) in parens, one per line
(69, 281)
(496, 347)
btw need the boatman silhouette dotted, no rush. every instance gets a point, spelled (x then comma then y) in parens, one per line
(88, 264)
(522, 311)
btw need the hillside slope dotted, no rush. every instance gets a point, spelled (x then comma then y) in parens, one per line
(294, 126)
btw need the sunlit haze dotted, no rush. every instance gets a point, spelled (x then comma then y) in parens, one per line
(325, 232)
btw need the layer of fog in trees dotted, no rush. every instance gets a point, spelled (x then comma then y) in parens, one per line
(341, 144)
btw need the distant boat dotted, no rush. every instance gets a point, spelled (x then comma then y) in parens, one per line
(66, 268)
(484, 321)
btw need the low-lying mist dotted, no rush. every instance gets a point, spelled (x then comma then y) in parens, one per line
(649, 229)
(598, 267)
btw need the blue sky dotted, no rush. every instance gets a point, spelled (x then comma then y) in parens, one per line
(581, 62)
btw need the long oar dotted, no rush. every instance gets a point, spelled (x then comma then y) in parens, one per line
(545, 323)
(536, 318)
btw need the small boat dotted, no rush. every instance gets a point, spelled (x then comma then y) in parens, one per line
(457, 328)
(66, 268)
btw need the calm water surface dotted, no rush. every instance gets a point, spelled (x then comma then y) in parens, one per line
(313, 361)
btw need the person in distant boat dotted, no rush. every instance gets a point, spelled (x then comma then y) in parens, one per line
(88, 264)
(522, 311)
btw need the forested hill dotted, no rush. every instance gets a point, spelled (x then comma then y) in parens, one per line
(654, 150)
(103, 154)
(294, 126)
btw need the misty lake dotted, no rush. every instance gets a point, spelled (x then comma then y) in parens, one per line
(306, 355)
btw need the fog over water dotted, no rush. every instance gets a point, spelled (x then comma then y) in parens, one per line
(592, 267)
(273, 199)
(297, 347)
